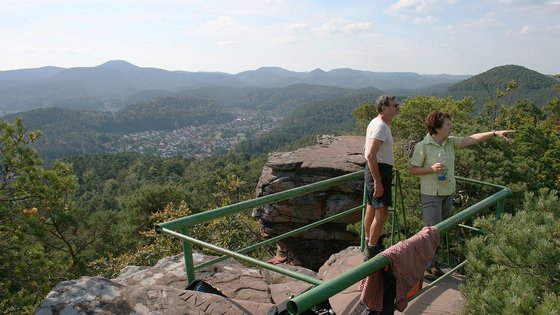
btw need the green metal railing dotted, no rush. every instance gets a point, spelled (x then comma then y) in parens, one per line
(323, 289)
(185, 223)
(327, 289)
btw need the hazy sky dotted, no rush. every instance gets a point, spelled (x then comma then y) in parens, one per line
(430, 36)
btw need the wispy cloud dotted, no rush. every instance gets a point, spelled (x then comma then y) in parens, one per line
(427, 20)
(417, 6)
(472, 25)
(293, 33)
(528, 29)
(221, 22)
(339, 25)
(297, 28)
(401, 5)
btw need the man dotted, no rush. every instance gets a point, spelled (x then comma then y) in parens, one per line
(379, 172)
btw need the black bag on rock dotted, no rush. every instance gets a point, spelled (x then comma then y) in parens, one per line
(201, 286)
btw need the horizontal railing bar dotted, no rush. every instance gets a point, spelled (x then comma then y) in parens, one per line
(282, 236)
(471, 211)
(475, 181)
(252, 260)
(249, 204)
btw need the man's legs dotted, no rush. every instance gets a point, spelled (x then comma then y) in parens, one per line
(375, 219)
(379, 219)
(377, 209)
(368, 219)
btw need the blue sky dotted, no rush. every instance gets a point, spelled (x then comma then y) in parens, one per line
(429, 37)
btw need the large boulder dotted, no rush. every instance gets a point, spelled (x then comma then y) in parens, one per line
(331, 157)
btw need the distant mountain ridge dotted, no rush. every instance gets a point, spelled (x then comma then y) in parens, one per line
(110, 85)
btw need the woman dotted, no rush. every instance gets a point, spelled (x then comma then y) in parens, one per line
(434, 161)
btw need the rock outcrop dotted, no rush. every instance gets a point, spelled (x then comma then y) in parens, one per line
(161, 289)
(333, 156)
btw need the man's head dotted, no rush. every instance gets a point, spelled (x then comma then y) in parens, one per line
(386, 101)
(387, 107)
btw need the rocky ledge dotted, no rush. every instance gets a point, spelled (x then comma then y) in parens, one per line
(161, 289)
(331, 157)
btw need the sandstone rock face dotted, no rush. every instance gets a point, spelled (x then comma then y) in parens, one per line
(161, 290)
(331, 157)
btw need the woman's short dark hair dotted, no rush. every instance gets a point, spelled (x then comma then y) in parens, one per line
(384, 100)
(434, 120)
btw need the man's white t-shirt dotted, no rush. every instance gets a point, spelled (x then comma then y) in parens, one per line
(378, 129)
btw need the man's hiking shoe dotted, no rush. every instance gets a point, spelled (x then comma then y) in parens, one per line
(371, 251)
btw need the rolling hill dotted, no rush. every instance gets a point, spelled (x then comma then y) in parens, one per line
(532, 85)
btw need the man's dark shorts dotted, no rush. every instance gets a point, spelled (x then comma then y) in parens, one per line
(386, 172)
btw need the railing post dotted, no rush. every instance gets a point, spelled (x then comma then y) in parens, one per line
(500, 208)
(363, 229)
(187, 253)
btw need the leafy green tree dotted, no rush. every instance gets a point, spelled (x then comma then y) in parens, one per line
(149, 248)
(364, 114)
(148, 199)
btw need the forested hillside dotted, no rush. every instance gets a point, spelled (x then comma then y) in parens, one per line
(68, 132)
(281, 100)
(302, 125)
(529, 85)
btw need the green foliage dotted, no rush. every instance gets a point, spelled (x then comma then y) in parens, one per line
(148, 199)
(364, 114)
(513, 268)
(30, 197)
(234, 231)
(149, 248)
(410, 123)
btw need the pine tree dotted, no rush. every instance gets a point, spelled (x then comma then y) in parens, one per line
(515, 267)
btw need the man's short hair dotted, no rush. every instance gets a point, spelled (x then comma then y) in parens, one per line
(384, 100)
